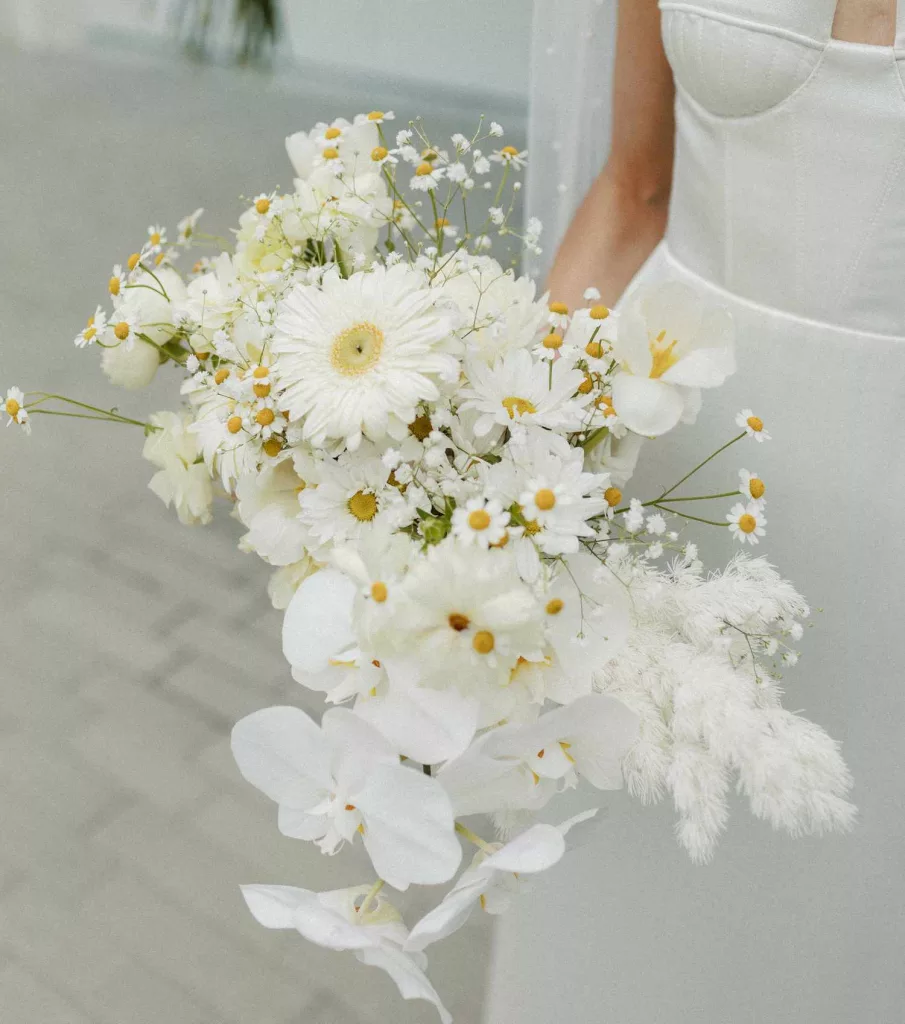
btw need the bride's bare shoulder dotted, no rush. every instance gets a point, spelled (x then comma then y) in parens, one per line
(866, 21)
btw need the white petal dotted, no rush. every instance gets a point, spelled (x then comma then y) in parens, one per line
(318, 622)
(451, 913)
(411, 981)
(409, 827)
(279, 748)
(647, 406)
(274, 906)
(357, 746)
(535, 850)
(429, 726)
(600, 730)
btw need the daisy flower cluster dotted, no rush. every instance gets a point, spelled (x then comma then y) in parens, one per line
(436, 462)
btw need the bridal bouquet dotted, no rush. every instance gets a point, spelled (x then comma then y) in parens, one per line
(435, 461)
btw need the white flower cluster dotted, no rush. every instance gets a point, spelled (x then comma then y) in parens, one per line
(433, 458)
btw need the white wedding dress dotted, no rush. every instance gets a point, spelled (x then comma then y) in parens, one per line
(788, 206)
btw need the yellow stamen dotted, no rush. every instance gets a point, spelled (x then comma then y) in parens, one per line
(503, 541)
(545, 499)
(458, 621)
(594, 349)
(272, 447)
(378, 153)
(483, 641)
(261, 390)
(565, 749)
(553, 341)
(747, 523)
(350, 807)
(363, 506)
(330, 153)
(586, 386)
(423, 169)
(479, 519)
(332, 133)
(234, 424)
(513, 404)
(560, 308)
(133, 261)
(540, 754)
(265, 417)
(555, 606)
(159, 258)
(483, 901)
(599, 312)
(509, 151)
(662, 356)
(375, 115)
(532, 527)
(755, 423)
(259, 372)
(361, 829)
(12, 408)
(379, 591)
(155, 238)
(262, 205)
(612, 496)
(221, 375)
(113, 285)
(121, 330)
(756, 487)
(356, 349)
(441, 222)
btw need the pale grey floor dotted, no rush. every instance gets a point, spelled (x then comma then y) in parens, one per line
(130, 644)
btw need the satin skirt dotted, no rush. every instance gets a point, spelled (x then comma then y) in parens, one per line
(775, 930)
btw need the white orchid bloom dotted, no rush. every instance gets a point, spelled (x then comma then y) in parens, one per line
(268, 505)
(343, 778)
(335, 920)
(492, 880)
(523, 766)
(670, 344)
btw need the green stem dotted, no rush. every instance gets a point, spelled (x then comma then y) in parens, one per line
(85, 416)
(465, 831)
(591, 443)
(685, 515)
(704, 497)
(701, 465)
(369, 899)
(107, 414)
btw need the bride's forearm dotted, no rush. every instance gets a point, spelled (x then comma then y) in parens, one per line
(616, 228)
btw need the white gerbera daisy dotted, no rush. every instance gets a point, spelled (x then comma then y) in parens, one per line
(358, 355)
(752, 425)
(519, 390)
(747, 522)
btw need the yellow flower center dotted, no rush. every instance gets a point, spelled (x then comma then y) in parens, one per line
(594, 349)
(159, 258)
(612, 496)
(553, 341)
(262, 205)
(483, 641)
(12, 408)
(755, 423)
(599, 312)
(89, 333)
(379, 591)
(261, 390)
(662, 356)
(234, 424)
(155, 238)
(747, 523)
(421, 426)
(375, 115)
(332, 133)
(113, 285)
(532, 527)
(513, 404)
(272, 447)
(756, 487)
(378, 153)
(586, 386)
(555, 606)
(560, 308)
(221, 375)
(260, 372)
(265, 417)
(479, 519)
(121, 330)
(363, 506)
(331, 153)
(441, 222)
(423, 169)
(458, 621)
(133, 261)
(357, 349)
(545, 499)
(509, 151)
(503, 541)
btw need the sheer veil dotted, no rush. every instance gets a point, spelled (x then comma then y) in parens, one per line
(572, 53)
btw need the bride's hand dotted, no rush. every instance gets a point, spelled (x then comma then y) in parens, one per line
(623, 216)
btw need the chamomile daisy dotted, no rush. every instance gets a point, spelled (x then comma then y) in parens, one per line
(14, 408)
(752, 425)
(751, 485)
(480, 522)
(747, 522)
